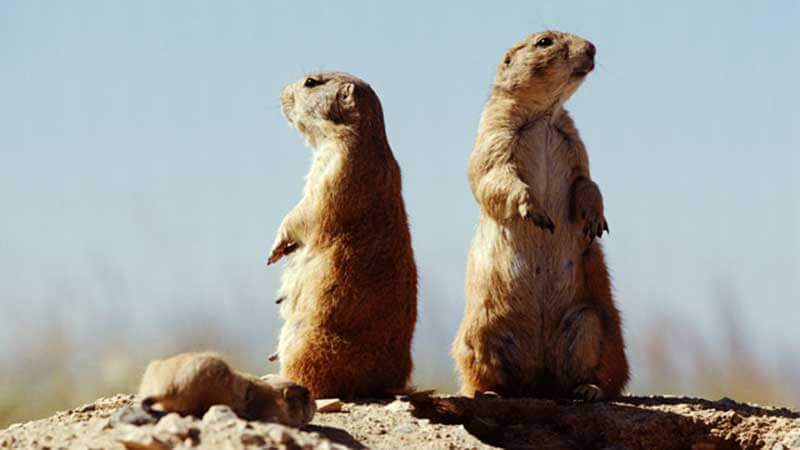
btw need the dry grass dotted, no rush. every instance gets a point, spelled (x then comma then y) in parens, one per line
(54, 368)
(677, 357)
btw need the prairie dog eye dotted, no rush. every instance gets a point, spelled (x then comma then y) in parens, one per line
(544, 42)
(311, 82)
(507, 61)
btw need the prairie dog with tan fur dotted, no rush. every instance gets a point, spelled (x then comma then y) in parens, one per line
(349, 289)
(190, 383)
(539, 318)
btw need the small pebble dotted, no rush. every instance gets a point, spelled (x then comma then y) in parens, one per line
(140, 439)
(220, 414)
(398, 406)
(134, 415)
(174, 424)
(253, 439)
(792, 439)
(406, 428)
(87, 408)
(329, 405)
(279, 434)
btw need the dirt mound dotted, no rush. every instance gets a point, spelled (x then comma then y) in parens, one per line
(429, 422)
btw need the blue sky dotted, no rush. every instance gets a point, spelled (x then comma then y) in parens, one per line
(145, 165)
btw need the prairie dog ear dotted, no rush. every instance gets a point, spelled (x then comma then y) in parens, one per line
(347, 95)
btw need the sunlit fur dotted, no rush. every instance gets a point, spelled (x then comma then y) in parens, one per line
(190, 383)
(349, 289)
(539, 317)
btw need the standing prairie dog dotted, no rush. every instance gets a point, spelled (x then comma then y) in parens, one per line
(539, 318)
(190, 383)
(349, 290)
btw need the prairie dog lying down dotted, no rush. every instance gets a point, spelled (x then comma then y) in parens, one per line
(190, 383)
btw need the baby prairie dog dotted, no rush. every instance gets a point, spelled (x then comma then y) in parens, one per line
(190, 383)
(348, 292)
(539, 318)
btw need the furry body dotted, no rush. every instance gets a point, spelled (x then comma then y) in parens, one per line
(190, 383)
(349, 288)
(540, 318)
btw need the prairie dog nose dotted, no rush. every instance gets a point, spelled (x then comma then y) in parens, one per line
(590, 49)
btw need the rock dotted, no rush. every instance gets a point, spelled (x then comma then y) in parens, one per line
(175, 425)
(250, 438)
(405, 428)
(220, 415)
(792, 439)
(101, 424)
(140, 439)
(398, 405)
(134, 415)
(329, 405)
(327, 445)
(279, 434)
(87, 408)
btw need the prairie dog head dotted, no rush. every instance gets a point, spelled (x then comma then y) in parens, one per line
(295, 401)
(332, 106)
(545, 69)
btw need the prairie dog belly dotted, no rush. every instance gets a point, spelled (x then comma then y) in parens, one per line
(299, 300)
(532, 265)
(292, 281)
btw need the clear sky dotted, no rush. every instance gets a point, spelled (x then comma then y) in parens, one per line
(145, 165)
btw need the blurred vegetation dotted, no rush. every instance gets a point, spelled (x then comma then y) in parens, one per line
(676, 358)
(52, 368)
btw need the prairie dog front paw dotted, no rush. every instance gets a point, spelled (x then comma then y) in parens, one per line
(587, 204)
(283, 246)
(529, 210)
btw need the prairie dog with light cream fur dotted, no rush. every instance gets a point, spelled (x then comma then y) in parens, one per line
(348, 292)
(190, 383)
(539, 318)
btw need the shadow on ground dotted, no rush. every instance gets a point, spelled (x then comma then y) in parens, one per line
(336, 435)
(632, 422)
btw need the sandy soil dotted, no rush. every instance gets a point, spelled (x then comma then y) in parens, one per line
(426, 422)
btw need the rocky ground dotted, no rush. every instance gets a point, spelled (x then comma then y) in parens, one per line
(431, 423)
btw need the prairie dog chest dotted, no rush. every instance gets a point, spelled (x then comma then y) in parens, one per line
(325, 167)
(546, 159)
